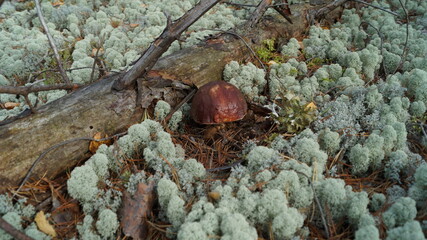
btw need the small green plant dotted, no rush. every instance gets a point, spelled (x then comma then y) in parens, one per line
(315, 62)
(267, 52)
(293, 115)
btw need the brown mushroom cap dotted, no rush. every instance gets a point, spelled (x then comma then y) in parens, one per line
(218, 102)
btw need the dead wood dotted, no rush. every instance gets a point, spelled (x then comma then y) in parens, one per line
(11, 230)
(99, 108)
(259, 12)
(25, 90)
(171, 33)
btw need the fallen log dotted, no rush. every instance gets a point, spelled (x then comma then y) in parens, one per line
(100, 108)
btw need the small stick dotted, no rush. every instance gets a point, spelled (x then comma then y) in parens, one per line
(51, 43)
(254, 6)
(55, 70)
(24, 90)
(94, 64)
(284, 10)
(381, 47)
(328, 8)
(405, 48)
(259, 12)
(316, 199)
(423, 130)
(27, 176)
(15, 233)
(27, 100)
(186, 99)
(377, 7)
(246, 44)
(240, 5)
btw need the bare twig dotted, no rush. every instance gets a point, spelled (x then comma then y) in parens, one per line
(377, 7)
(254, 6)
(94, 64)
(225, 167)
(27, 176)
(15, 233)
(259, 12)
(381, 47)
(240, 4)
(24, 90)
(284, 10)
(327, 9)
(51, 43)
(162, 43)
(246, 44)
(186, 99)
(405, 48)
(27, 100)
(316, 199)
(423, 130)
(37, 74)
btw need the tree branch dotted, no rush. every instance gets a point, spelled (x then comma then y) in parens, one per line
(25, 90)
(377, 7)
(405, 48)
(259, 12)
(15, 233)
(283, 9)
(162, 43)
(51, 43)
(328, 8)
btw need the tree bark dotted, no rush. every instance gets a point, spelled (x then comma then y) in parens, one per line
(99, 108)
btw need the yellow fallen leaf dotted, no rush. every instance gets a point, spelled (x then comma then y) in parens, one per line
(94, 145)
(214, 195)
(43, 225)
(311, 106)
(271, 63)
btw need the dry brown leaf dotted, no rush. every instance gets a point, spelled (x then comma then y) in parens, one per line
(11, 105)
(61, 213)
(44, 225)
(136, 209)
(94, 145)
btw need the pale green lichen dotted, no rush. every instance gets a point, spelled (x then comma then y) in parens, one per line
(107, 223)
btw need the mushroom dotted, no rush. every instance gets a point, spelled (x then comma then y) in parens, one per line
(218, 102)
